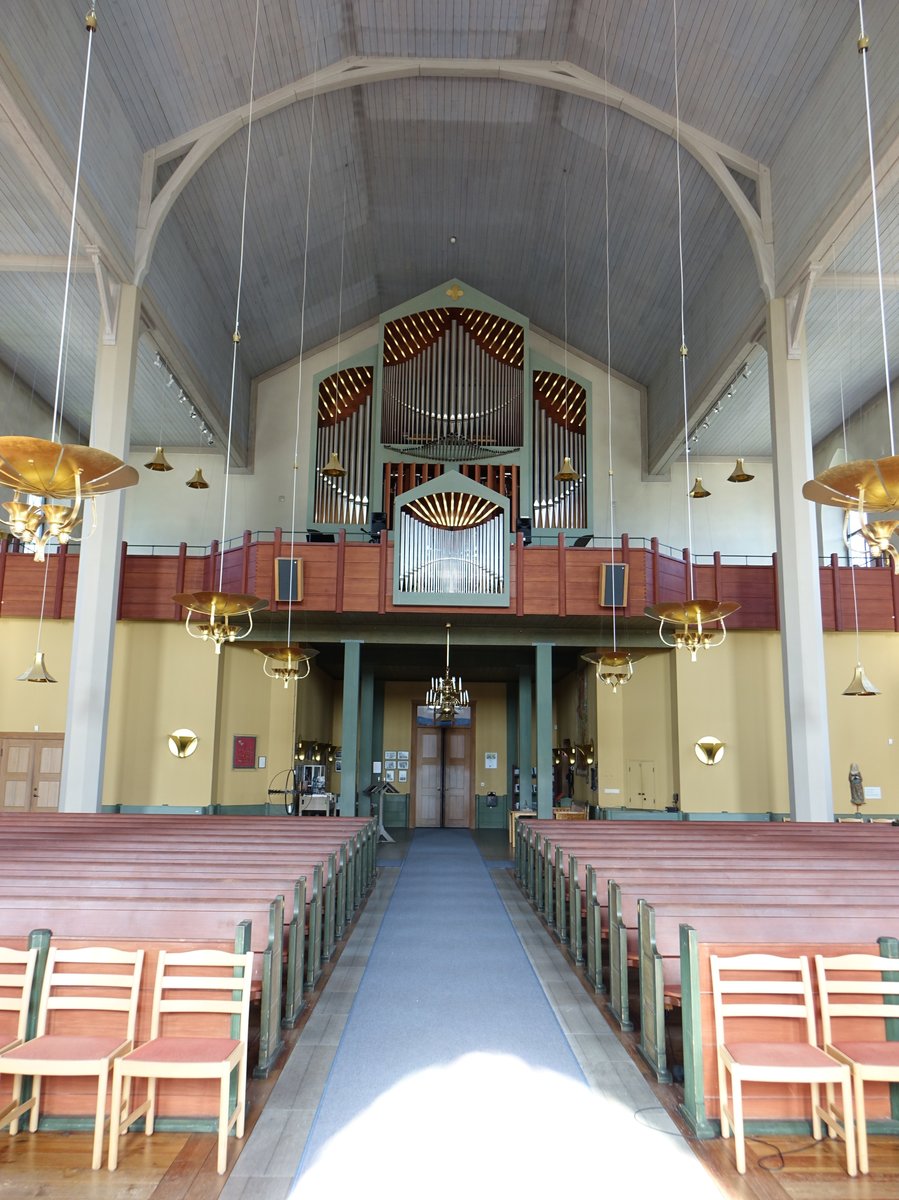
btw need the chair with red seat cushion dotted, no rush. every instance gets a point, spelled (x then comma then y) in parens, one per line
(93, 989)
(766, 989)
(217, 985)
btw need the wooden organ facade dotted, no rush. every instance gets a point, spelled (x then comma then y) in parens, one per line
(454, 432)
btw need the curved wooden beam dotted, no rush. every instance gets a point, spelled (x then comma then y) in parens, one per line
(718, 159)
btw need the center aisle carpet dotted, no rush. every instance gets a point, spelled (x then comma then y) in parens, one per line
(453, 1070)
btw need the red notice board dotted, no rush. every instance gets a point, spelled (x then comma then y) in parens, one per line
(244, 754)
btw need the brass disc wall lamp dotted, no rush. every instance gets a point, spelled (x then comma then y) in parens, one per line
(709, 751)
(217, 610)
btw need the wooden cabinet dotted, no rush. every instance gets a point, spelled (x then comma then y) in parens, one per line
(30, 771)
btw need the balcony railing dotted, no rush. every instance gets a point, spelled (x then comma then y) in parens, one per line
(354, 575)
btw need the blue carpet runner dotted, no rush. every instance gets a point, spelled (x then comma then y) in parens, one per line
(447, 977)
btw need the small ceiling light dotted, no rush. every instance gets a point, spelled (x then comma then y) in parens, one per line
(37, 672)
(157, 361)
(739, 474)
(170, 382)
(182, 396)
(332, 467)
(452, 239)
(567, 473)
(196, 480)
(194, 415)
(209, 439)
(861, 685)
(158, 462)
(697, 491)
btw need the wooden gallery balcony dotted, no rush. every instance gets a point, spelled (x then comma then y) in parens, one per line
(350, 576)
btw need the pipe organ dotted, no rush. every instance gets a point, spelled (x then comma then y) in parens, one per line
(344, 429)
(452, 385)
(452, 544)
(459, 435)
(560, 432)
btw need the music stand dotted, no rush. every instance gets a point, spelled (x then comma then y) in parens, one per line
(380, 789)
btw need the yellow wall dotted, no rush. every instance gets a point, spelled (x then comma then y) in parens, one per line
(489, 701)
(864, 730)
(733, 693)
(649, 729)
(160, 682)
(27, 706)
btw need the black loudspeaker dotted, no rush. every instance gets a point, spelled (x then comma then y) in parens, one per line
(523, 526)
(378, 525)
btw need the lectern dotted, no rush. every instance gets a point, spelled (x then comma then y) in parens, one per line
(379, 790)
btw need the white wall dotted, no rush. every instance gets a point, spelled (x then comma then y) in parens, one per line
(161, 510)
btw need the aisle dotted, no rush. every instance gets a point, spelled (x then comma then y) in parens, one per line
(452, 1071)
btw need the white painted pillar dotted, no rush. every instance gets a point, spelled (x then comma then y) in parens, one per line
(802, 637)
(98, 575)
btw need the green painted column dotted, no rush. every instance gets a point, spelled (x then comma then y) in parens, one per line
(544, 706)
(349, 737)
(366, 733)
(525, 700)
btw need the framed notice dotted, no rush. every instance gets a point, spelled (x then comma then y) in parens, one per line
(288, 579)
(613, 585)
(243, 756)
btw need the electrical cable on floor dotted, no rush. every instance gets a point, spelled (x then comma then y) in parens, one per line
(778, 1156)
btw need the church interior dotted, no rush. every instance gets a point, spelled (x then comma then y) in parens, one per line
(453, 445)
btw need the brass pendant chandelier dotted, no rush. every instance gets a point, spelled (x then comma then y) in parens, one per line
(614, 668)
(447, 695)
(692, 625)
(39, 470)
(217, 610)
(291, 663)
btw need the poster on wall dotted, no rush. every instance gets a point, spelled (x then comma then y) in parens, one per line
(243, 756)
(491, 759)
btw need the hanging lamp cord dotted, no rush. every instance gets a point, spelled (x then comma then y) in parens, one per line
(235, 336)
(683, 335)
(90, 22)
(863, 47)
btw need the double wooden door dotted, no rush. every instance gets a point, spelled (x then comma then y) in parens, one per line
(30, 771)
(443, 796)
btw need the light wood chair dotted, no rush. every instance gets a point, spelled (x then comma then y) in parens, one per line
(86, 1018)
(16, 982)
(218, 982)
(852, 985)
(770, 989)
